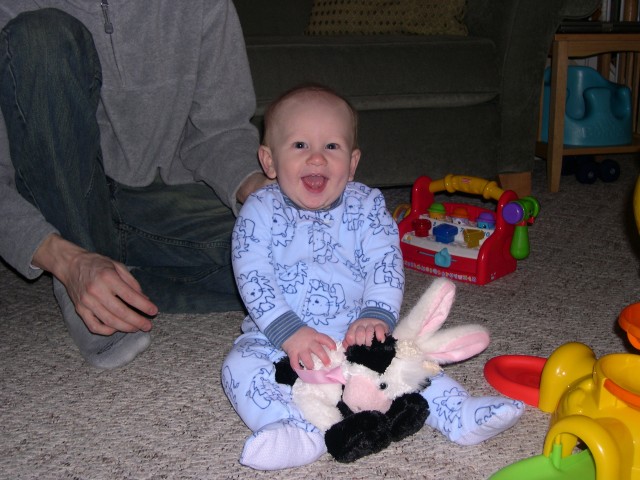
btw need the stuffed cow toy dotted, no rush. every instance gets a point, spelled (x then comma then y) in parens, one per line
(369, 396)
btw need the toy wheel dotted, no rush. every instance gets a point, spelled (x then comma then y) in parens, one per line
(609, 170)
(568, 165)
(587, 172)
(571, 163)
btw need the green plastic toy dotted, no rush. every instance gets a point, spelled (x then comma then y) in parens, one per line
(554, 467)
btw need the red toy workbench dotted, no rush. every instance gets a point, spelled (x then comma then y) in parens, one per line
(462, 241)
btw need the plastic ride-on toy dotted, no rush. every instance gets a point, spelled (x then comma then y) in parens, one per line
(592, 401)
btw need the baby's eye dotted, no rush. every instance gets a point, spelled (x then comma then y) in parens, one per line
(332, 146)
(299, 145)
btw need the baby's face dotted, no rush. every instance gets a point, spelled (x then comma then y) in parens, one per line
(310, 149)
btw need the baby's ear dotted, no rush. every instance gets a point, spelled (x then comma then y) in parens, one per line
(266, 160)
(355, 158)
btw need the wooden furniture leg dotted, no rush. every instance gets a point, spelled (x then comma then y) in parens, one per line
(567, 46)
(518, 182)
(557, 101)
(634, 93)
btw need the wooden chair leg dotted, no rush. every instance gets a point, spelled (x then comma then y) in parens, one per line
(518, 182)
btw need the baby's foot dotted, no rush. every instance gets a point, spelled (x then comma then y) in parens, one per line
(484, 417)
(282, 445)
(464, 419)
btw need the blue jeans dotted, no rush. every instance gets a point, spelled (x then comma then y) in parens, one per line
(175, 238)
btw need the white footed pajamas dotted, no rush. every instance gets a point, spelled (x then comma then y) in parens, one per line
(282, 438)
(248, 377)
(324, 269)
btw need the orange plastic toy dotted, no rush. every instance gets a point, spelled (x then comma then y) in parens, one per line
(629, 321)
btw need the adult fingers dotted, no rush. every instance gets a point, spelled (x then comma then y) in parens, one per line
(133, 295)
(104, 301)
(94, 325)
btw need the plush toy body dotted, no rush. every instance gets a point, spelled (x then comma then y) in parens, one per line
(369, 395)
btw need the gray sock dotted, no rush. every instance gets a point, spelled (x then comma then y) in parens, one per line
(101, 351)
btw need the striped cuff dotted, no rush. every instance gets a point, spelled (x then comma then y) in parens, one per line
(283, 327)
(381, 314)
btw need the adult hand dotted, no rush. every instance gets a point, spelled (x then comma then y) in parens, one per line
(303, 343)
(252, 183)
(105, 294)
(363, 330)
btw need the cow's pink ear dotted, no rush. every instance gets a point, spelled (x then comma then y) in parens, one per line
(428, 315)
(455, 344)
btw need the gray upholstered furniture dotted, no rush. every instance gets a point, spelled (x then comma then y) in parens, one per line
(429, 104)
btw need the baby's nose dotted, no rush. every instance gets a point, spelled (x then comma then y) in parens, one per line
(317, 158)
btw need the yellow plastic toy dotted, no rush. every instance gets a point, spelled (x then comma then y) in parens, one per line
(595, 401)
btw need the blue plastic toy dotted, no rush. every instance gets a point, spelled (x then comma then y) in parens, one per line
(598, 112)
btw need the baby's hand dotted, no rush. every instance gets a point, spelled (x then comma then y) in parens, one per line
(303, 343)
(362, 331)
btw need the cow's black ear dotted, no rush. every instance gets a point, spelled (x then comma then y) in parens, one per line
(377, 357)
(284, 373)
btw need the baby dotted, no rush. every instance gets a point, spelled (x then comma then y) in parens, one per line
(316, 258)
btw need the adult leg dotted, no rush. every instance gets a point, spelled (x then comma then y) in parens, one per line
(50, 79)
(177, 239)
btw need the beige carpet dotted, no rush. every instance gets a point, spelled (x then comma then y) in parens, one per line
(165, 415)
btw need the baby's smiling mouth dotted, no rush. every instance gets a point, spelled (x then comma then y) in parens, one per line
(314, 183)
